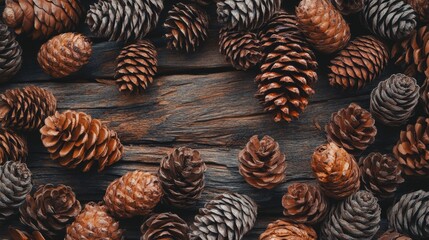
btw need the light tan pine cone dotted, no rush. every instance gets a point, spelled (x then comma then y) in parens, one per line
(13, 147)
(283, 230)
(16, 234)
(165, 226)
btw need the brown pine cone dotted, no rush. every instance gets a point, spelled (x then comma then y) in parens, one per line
(421, 7)
(94, 223)
(26, 108)
(336, 171)
(262, 164)
(181, 174)
(135, 193)
(50, 209)
(137, 65)
(362, 61)
(392, 235)
(16, 234)
(64, 54)
(164, 226)
(13, 147)
(282, 24)
(282, 230)
(424, 96)
(10, 54)
(347, 7)
(74, 139)
(352, 128)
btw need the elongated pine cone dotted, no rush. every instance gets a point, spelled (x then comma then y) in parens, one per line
(392, 235)
(64, 54)
(50, 209)
(424, 97)
(181, 174)
(410, 215)
(94, 223)
(362, 61)
(74, 139)
(347, 7)
(10, 54)
(123, 20)
(228, 216)
(282, 230)
(26, 108)
(165, 226)
(421, 7)
(136, 193)
(137, 66)
(13, 147)
(16, 234)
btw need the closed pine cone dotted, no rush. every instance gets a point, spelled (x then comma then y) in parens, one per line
(392, 235)
(421, 7)
(94, 223)
(10, 54)
(16, 234)
(13, 147)
(26, 108)
(181, 174)
(137, 66)
(164, 226)
(136, 193)
(424, 97)
(362, 61)
(74, 139)
(347, 7)
(282, 230)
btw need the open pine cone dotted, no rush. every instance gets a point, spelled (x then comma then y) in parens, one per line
(392, 235)
(13, 147)
(421, 7)
(164, 226)
(347, 7)
(16, 234)
(10, 54)
(424, 97)
(282, 230)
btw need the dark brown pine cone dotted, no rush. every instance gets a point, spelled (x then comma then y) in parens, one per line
(424, 97)
(13, 147)
(421, 7)
(347, 7)
(10, 54)
(282, 230)
(181, 174)
(282, 24)
(392, 235)
(50, 209)
(164, 226)
(16, 234)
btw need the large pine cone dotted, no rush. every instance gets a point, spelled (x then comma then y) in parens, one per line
(137, 65)
(424, 96)
(352, 128)
(10, 54)
(282, 24)
(282, 230)
(410, 215)
(50, 209)
(42, 19)
(390, 19)
(164, 226)
(26, 108)
(135, 193)
(94, 223)
(347, 7)
(16, 234)
(262, 164)
(13, 147)
(392, 235)
(74, 139)
(336, 171)
(421, 7)
(181, 174)
(64, 54)
(362, 61)
(227, 217)
(324, 27)
(123, 20)
(356, 218)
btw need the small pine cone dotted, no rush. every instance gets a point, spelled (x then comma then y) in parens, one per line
(181, 174)
(94, 223)
(13, 147)
(421, 7)
(136, 193)
(74, 139)
(50, 209)
(227, 217)
(389, 19)
(362, 61)
(358, 217)
(137, 65)
(282, 230)
(123, 20)
(164, 226)
(186, 27)
(304, 203)
(16, 234)
(352, 128)
(392, 235)
(10, 54)
(347, 7)
(410, 215)
(336, 171)
(324, 27)
(26, 108)
(424, 97)
(262, 164)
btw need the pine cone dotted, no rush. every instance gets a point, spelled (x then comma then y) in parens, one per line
(421, 7)
(245, 15)
(424, 96)
(392, 235)
(262, 164)
(227, 217)
(12, 146)
(50, 209)
(64, 54)
(336, 171)
(203, 2)
(358, 217)
(186, 27)
(16, 234)
(389, 19)
(324, 27)
(362, 61)
(282, 230)
(394, 100)
(181, 174)
(137, 65)
(347, 7)
(94, 223)
(74, 139)
(135, 193)
(10, 54)
(26, 108)
(124, 20)
(42, 19)
(352, 128)
(165, 226)
(410, 215)
(304, 203)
